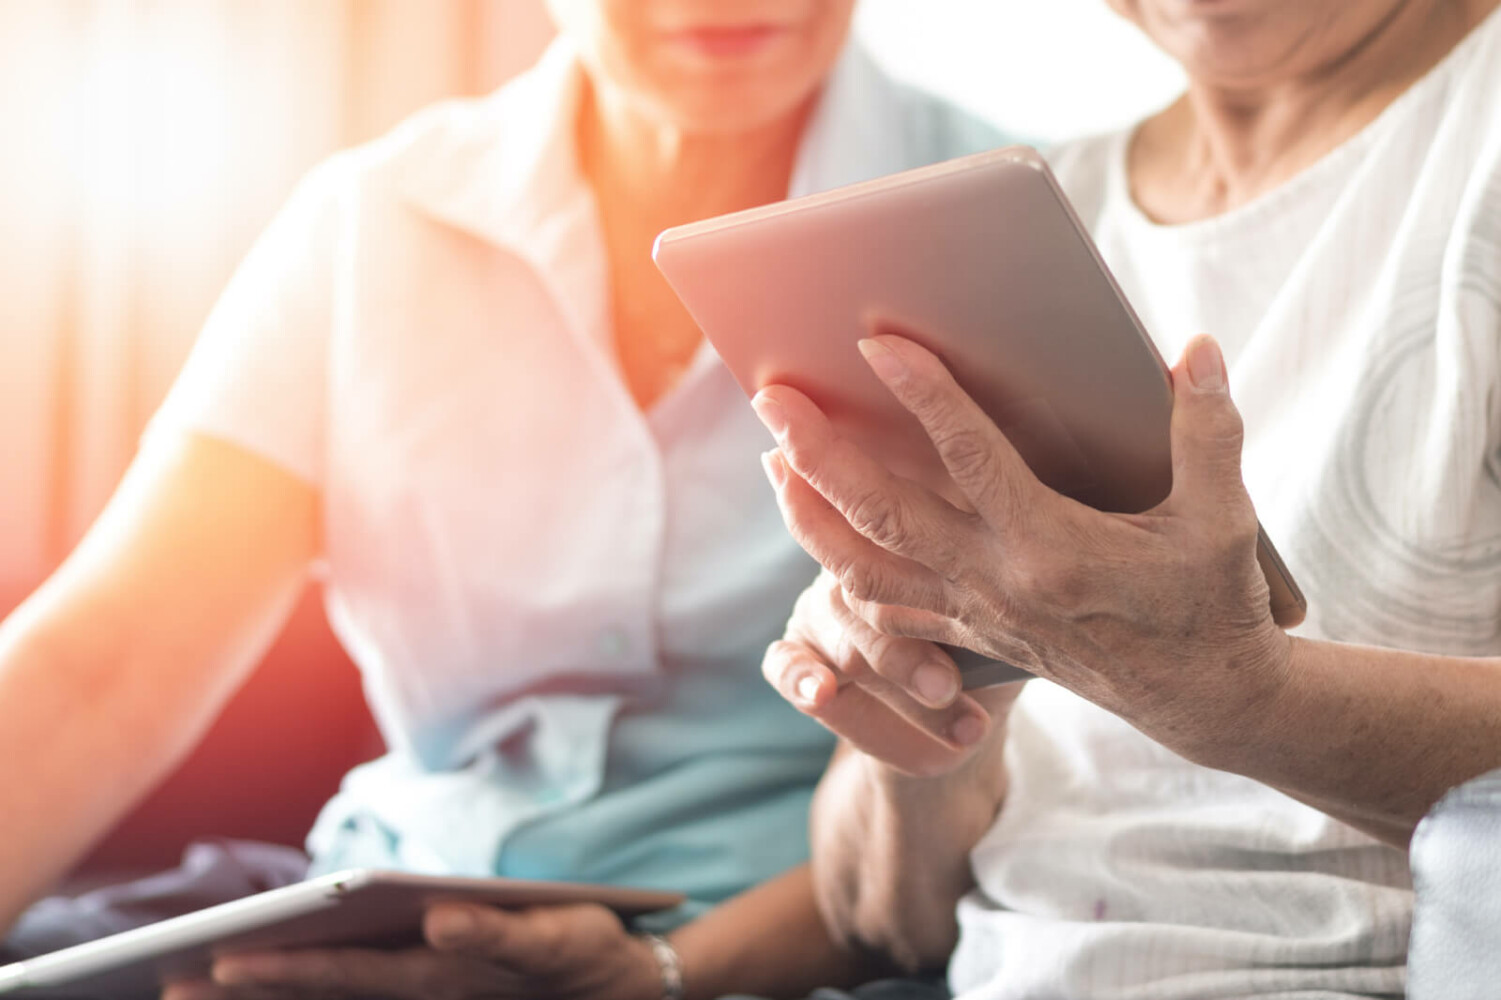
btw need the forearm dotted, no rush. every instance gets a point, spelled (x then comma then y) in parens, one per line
(1374, 737)
(891, 852)
(111, 671)
(768, 941)
(89, 721)
(66, 768)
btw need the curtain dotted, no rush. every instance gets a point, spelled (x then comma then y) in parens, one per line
(143, 145)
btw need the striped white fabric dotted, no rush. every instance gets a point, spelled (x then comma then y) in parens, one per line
(1360, 307)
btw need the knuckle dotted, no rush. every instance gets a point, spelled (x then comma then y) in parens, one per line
(1068, 589)
(843, 609)
(897, 659)
(1045, 579)
(994, 595)
(549, 944)
(1068, 579)
(1224, 425)
(878, 518)
(928, 394)
(962, 551)
(806, 455)
(885, 619)
(966, 449)
(774, 664)
(1236, 535)
(862, 582)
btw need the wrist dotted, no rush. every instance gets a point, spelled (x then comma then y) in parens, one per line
(664, 978)
(1256, 702)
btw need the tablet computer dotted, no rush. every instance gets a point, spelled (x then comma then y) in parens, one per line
(983, 260)
(359, 908)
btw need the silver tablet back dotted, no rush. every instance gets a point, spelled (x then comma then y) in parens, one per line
(360, 907)
(983, 260)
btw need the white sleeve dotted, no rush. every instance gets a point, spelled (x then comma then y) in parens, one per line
(258, 375)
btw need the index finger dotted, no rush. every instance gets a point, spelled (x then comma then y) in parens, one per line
(871, 722)
(897, 514)
(359, 971)
(982, 462)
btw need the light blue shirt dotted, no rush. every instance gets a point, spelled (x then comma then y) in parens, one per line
(559, 603)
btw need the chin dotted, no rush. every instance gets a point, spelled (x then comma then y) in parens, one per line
(729, 102)
(1247, 41)
(736, 85)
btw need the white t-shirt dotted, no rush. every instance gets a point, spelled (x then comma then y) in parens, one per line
(1360, 309)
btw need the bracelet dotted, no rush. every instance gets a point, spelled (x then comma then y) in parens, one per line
(670, 964)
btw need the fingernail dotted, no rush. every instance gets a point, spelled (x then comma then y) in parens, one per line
(1206, 366)
(935, 684)
(882, 360)
(968, 730)
(771, 414)
(807, 689)
(776, 469)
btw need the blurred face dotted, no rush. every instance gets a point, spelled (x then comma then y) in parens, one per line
(1251, 43)
(713, 66)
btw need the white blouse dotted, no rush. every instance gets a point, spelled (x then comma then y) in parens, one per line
(559, 603)
(1360, 308)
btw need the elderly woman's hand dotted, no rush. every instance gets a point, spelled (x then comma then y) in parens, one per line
(895, 699)
(1161, 617)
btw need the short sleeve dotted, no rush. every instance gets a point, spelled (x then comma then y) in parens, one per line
(257, 376)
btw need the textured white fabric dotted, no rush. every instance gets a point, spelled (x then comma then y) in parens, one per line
(1360, 306)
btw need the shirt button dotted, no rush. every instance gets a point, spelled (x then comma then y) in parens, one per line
(613, 643)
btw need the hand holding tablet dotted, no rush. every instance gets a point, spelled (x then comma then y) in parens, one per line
(360, 909)
(982, 262)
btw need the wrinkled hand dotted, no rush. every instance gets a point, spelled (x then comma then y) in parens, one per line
(473, 952)
(1161, 617)
(895, 699)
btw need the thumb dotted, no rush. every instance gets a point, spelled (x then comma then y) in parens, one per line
(1207, 432)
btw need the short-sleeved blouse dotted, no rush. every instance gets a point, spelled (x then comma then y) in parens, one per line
(559, 603)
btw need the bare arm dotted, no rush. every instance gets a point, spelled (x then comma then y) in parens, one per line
(769, 941)
(1373, 737)
(891, 851)
(917, 780)
(114, 668)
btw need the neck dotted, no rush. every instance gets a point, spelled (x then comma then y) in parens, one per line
(648, 176)
(1221, 146)
(660, 175)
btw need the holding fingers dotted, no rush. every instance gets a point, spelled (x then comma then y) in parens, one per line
(1161, 617)
(471, 953)
(896, 699)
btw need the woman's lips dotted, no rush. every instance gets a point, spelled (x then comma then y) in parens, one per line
(729, 42)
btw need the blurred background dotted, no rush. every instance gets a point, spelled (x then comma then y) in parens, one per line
(143, 145)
